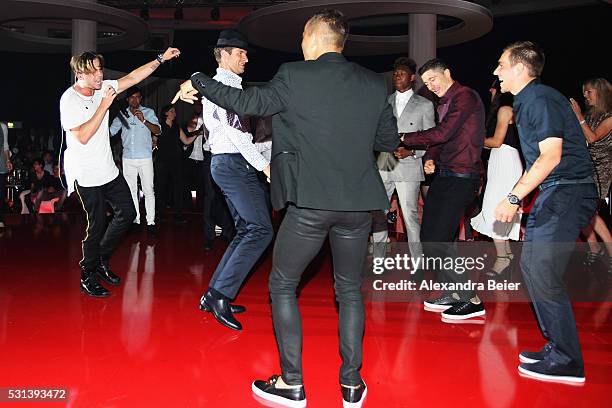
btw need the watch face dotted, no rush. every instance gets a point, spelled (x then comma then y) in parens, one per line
(513, 199)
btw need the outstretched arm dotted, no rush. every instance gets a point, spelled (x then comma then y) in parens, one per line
(140, 73)
(262, 100)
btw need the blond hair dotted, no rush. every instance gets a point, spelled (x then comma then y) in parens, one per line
(84, 62)
(335, 23)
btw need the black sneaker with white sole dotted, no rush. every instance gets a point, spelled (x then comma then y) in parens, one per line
(464, 310)
(530, 357)
(287, 397)
(353, 397)
(548, 370)
(441, 303)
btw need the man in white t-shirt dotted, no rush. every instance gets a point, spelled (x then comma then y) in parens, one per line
(88, 162)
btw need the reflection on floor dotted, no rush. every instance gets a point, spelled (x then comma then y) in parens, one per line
(149, 345)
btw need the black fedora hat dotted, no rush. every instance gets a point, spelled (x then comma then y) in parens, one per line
(232, 38)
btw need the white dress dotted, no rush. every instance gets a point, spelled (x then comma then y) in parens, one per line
(505, 170)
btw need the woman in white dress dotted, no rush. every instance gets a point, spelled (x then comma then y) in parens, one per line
(504, 170)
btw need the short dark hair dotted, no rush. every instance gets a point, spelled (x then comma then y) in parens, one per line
(406, 63)
(335, 21)
(132, 90)
(164, 111)
(435, 63)
(529, 54)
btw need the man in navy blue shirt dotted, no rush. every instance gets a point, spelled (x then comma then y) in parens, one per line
(559, 164)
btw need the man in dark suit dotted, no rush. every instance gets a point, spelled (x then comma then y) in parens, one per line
(330, 116)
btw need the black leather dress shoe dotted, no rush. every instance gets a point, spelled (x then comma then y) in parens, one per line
(106, 274)
(220, 308)
(353, 397)
(288, 397)
(90, 285)
(235, 309)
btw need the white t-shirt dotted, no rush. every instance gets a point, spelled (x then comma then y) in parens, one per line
(90, 164)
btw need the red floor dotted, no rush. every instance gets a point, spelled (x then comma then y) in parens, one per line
(149, 345)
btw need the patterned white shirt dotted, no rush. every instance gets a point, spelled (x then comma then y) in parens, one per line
(226, 132)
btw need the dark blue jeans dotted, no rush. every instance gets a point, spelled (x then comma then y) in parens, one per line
(246, 199)
(100, 241)
(555, 221)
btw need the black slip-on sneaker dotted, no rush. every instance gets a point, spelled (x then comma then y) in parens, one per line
(464, 310)
(353, 397)
(547, 370)
(288, 397)
(531, 357)
(441, 303)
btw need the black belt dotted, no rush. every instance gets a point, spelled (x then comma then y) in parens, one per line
(547, 184)
(448, 173)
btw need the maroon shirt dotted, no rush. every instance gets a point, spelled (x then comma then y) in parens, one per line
(455, 144)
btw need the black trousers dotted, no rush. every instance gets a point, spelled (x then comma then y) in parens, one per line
(299, 239)
(100, 241)
(194, 176)
(169, 175)
(554, 222)
(215, 207)
(2, 194)
(446, 202)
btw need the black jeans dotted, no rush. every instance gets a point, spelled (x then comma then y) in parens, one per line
(169, 175)
(299, 239)
(246, 199)
(215, 208)
(446, 202)
(554, 222)
(194, 176)
(100, 241)
(2, 194)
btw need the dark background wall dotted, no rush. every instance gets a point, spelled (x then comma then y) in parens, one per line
(576, 42)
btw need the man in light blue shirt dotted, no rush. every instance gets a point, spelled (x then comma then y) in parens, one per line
(138, 124)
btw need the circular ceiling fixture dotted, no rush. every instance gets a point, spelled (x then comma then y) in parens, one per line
(280, 27)
(133, 31)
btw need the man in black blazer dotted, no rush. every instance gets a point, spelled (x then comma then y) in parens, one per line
(330, 116)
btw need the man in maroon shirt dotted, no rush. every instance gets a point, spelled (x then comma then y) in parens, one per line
(454, 147)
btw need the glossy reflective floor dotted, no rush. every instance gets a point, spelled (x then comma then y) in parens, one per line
(149, 345)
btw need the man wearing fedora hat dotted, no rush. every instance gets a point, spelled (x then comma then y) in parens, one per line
(326, 109)
(235, 165)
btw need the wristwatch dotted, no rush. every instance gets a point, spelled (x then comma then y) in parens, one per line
(514, 200)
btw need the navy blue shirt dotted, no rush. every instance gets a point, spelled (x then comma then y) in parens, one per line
(541, 112)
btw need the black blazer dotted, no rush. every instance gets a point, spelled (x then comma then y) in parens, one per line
(330, 115)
